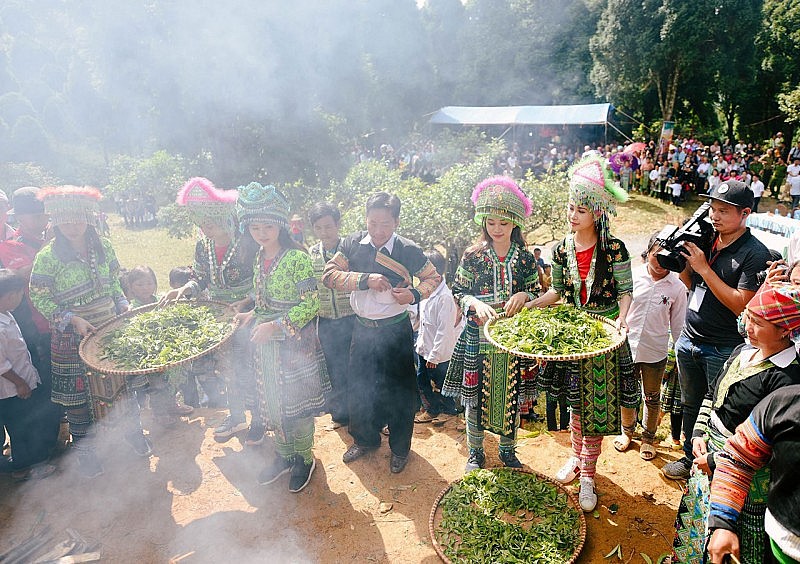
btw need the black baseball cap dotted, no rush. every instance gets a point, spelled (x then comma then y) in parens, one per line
(735, 193)
(25, 201)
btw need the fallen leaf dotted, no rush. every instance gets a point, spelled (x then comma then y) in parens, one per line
(596, 514)
(612, 522)
(613, 552)
(646, 558)
(648, 496)
(385, 507)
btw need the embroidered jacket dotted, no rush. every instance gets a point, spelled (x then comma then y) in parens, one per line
(61, 283)
(232, 279)
(607, 284)
(770, 435)
(483, 277)
(333, 304)
(286, 291)
(350, 267)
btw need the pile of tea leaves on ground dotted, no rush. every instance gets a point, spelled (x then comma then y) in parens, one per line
(503, 515)
(552, 331)
(164, 336)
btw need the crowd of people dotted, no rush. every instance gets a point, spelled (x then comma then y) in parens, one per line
(366, 327)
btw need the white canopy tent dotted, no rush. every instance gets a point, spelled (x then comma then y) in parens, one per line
(513, 116)
(582, 114)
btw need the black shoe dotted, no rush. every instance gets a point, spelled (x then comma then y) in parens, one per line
(301, 474)
(398, 463)
(255, 435)
(355, 452)
(140, 444)
(476, 460)
(90, 466)
(509, 459)
(275, 470)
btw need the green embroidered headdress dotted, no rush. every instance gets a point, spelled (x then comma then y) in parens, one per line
(262, 204)
(592, 185)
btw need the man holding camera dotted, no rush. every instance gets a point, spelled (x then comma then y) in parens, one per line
(721, 280)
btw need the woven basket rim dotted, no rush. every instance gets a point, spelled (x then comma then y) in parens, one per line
(617, 336)
(571, 496)
(96, 365)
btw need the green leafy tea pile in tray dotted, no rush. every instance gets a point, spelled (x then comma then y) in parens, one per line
(560, 330)
(507, 516)
(163, 336)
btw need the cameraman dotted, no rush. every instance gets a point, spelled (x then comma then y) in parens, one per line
(721, 282)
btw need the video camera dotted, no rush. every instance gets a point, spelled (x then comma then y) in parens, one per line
(697, 230)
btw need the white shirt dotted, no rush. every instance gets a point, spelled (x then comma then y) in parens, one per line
(14, 356)
(758, 188)
(676, 188)
(794, 180)
(654, 174)
(658, 309)
(438, 331)
(370, 303)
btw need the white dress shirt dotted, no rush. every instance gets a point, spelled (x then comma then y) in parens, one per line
(438, 331)
(14, 356)
(372, 304)
(658, 308)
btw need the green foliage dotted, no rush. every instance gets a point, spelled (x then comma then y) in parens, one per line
(549, 196)
(789, 104)
(17, 175)
(175, 219)
(160, 175)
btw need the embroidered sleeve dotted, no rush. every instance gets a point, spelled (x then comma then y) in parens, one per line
(463, 283)
(337, 276)
(42, 285)
(529, 274)
(113, 271)
(744, 453)
(201, 266)
(557, 269)
(429, 280)
(301, 272)
(621, 261)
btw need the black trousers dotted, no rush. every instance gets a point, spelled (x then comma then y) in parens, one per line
(382, 387)
(31, 439)
(335, 336)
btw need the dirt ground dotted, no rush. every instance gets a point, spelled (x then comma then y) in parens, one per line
(197, 500)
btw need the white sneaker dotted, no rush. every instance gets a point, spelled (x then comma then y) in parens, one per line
(587, 498)
(569, 471)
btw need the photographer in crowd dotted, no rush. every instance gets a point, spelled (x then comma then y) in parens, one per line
(722, 280)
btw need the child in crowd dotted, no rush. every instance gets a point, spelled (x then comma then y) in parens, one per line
(20, 399)
(440, 325)
(140, 286)
(676, 188)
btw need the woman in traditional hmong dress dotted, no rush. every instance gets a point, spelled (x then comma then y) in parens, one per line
(75, 285)
(752, 372)
(497, 274)
(223, 265)
(592, 271)
(290, 368)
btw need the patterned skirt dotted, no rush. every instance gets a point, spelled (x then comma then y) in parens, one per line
(292, 378)
(691, 523)
(671, 387)
(596, 387)
(481, 376)
(70, 384)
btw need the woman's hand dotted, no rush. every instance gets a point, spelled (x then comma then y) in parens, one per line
(699, 447)
(515, 303)
(263, 332)
(175, 294)
(702, 463)
(722, 543)
(245, 318)
(81, 326)
(242, 305)
(484, 312)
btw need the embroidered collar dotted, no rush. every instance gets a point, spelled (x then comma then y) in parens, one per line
(217, 270)
(572, 265)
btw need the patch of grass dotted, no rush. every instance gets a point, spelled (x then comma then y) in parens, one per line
(150, 247)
